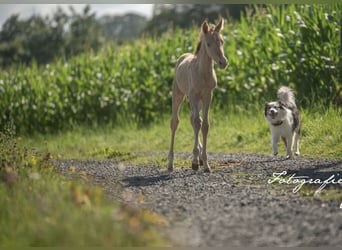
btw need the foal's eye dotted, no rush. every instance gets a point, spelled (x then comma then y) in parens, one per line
(208, 44)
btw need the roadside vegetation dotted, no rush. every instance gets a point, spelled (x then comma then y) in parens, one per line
(229, 133)
(42, 208)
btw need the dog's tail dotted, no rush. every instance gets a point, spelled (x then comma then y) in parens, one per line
(285, 95)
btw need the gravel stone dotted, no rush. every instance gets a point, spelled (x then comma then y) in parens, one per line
(232, 206)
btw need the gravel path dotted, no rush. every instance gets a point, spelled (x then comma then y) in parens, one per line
(234, 205)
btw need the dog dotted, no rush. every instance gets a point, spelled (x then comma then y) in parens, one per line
(284, 120)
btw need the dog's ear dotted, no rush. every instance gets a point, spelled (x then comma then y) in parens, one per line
(266, 107)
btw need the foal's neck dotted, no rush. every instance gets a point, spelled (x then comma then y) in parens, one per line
(205, 63)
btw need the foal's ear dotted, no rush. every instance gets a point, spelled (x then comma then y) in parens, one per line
(219, 26)
(205, 27)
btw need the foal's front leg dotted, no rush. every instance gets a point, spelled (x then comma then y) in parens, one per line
(196, 123)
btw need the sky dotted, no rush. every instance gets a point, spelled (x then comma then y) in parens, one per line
(26, 10)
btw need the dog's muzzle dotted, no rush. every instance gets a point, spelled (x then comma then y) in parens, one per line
(272, 113)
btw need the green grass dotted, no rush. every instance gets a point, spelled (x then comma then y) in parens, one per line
(322, 134)
(52, 211)
(242, 132)
(39, 207)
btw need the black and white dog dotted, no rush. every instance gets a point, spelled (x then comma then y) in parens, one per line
(284, 120)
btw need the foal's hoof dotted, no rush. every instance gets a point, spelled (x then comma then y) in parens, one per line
(207, 170)
(170, 168)
(194, 166)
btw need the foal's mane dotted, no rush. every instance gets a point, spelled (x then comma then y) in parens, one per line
(211, 29)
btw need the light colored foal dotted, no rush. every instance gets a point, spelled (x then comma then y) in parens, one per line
(195, 77)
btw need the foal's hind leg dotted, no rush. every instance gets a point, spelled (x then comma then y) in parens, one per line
(177, 98)
(205, 130)
(201, 151)
(196, 123)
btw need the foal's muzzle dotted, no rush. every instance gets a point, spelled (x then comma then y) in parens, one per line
(222, 62)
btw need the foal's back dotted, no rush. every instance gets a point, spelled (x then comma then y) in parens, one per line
(183, 76)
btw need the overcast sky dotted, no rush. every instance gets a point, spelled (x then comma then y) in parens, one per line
(26, 10)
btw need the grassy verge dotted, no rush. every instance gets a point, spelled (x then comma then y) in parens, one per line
(41, 208)
(243, 132)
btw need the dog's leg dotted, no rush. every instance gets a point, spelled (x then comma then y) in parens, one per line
(284, 140)
(274, 141)
(296, 144)
(289, 153)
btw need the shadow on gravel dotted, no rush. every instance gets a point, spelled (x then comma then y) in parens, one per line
(137, 181)
(321, 172)
(234, 163)
(149, 180)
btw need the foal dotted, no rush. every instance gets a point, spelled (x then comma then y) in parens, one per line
(195, 77)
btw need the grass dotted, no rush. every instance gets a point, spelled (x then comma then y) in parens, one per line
(322, 134)
(39, 207)
(46, 210)
(244, 132)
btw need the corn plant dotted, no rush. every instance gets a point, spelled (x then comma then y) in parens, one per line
(294, 45)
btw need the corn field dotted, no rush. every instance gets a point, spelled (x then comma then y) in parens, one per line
(295, 45)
